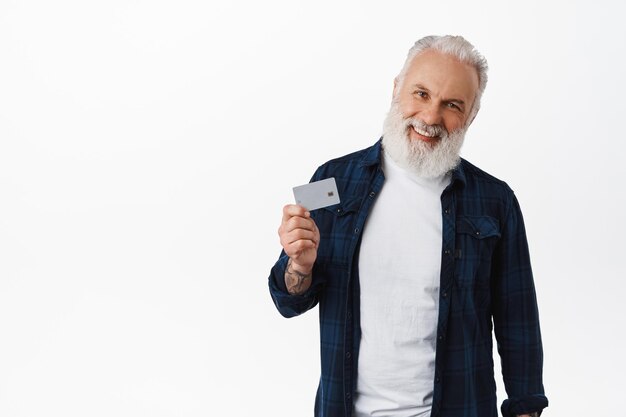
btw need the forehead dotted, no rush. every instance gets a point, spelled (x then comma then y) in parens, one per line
(443, 74)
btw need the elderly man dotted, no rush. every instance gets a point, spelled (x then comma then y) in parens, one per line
(423, 253)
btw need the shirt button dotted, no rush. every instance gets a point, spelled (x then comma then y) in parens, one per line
(356, 230)
(339, 210)
(440, 337)
(437, 380)
(348, 355)
(477, 232)
(445, 294)
(372, 194)
(447, 211)
(348, 395)
(447, 251)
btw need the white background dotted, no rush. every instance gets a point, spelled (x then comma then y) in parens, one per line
(147, 148)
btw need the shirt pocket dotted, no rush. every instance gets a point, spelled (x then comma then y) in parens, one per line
(337, 231)
(476, 238)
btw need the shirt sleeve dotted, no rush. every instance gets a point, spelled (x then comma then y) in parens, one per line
(290, 305)
(516, 318)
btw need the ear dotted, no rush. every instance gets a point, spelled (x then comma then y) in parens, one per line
(395, 87)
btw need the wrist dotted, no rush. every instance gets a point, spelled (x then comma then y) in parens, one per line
(296, 281)
(299, 269)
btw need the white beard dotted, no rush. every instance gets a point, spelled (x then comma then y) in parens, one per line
(426, 160)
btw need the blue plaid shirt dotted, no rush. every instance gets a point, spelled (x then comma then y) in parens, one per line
(486, 283)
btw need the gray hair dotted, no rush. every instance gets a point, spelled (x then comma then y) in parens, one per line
(458, 47)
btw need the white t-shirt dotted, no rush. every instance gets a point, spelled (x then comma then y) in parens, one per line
(399, 272)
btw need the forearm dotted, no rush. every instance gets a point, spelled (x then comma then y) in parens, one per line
(291, 305)
(297, 279)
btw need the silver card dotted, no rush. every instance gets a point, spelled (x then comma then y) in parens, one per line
(317, 194)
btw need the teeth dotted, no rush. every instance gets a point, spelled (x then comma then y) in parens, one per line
(422, 132)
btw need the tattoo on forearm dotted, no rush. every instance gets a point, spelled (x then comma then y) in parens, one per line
(297, 283)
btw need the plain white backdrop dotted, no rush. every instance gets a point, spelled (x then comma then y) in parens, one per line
(147, 148)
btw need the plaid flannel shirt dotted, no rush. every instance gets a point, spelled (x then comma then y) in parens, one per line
(486, 283)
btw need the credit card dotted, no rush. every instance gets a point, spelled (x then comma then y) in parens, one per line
(318, 194)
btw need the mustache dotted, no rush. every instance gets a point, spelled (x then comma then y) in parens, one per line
(432, 130)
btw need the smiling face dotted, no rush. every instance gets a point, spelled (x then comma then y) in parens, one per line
(438, 90)
(425, 127)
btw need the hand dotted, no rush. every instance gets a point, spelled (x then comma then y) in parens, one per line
(299, 237)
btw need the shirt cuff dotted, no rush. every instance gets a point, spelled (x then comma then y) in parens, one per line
(513, 407)
(290, 305)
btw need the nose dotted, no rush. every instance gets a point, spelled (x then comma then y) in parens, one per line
(431, 114)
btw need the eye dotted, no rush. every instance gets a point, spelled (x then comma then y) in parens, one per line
(451, 105)
(421, 93)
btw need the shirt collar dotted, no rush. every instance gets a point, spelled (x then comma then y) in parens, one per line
(458, 173)
(374, 154)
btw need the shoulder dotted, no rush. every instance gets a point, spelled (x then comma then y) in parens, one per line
(353, 173)
(349, 164)
(479, 180)
(483, 192)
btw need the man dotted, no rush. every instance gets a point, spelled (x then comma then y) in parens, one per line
(422, 253)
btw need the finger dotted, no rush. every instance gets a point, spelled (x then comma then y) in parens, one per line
(299, 223)
(298, 234)
(317, 231)
(293, 250)
(301, 234)
(317, 237)
(291, 210)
